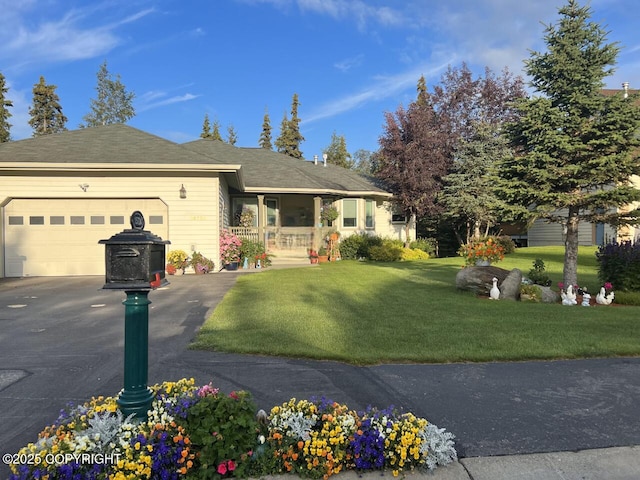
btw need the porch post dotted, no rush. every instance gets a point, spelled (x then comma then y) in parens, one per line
(317, 222)
(261, 222)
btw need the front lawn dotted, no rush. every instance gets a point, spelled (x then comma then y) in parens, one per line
(367, 313)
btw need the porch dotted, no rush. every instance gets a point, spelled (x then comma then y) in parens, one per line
(285, 241)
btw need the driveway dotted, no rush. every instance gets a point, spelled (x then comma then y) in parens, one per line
(61, 340)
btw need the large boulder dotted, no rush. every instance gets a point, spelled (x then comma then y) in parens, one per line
(480, 280)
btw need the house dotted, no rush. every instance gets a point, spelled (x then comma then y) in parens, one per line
(64, 192)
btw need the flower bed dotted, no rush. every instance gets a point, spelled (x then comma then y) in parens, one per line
(202, 433)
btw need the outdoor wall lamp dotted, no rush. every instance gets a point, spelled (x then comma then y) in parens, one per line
(183, 192)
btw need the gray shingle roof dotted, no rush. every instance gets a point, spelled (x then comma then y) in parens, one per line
(115, 143)
(261, 170)
(268, 170)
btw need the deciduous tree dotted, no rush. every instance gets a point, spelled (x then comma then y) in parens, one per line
(113, 104)
(45, 111)
(576, 148)
(337, 153)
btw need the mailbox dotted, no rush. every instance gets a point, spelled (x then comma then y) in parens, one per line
(135, 258)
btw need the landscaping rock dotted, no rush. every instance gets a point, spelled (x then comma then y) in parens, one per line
(480, 280)
(510, 287)
(548, 295)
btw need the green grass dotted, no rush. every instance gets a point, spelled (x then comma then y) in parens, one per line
(368, 313)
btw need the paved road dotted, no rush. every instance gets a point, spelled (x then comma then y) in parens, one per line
(61, 340)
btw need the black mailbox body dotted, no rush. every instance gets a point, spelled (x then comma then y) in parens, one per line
(134, 258)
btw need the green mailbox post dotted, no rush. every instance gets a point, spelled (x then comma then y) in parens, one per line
(134, 261)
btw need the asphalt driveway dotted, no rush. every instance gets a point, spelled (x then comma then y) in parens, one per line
(61, 340)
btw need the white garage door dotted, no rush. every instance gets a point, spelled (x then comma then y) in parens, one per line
(59, 237)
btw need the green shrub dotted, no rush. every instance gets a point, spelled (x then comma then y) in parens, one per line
(531, 293)
(538, 274)
(427, 245)
(250, 250)
(389, 251)
(508, 245)
(619, 264)
(414, 254)
(357, 246)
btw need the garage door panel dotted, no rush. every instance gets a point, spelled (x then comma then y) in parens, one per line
(58, 237)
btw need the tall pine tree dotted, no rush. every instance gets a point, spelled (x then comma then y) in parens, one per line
(576, 148)
(5, 114)
(290, 138)
(113, 103)
(232, 136)
(46, 112)
(215, 133)
(265, 135)
(206, 127)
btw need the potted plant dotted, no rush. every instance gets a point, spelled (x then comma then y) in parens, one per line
(201, 264)
(329, 214)
(178, 260)
(482, 252)
(313, 256)
(323, 256)
(230, 245)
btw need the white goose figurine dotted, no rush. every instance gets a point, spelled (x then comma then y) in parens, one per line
(494, 293)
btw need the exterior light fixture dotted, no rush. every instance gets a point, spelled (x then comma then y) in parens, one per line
(183, 192)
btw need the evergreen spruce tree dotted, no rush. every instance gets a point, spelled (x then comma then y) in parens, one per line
(294, 129)
(283, 140)
(113, 103)
(206, 127)
(290, 138)
(46, 112)
(265, 135)
(232, 136)
(5, 114)
(215, 133)
(576, 148)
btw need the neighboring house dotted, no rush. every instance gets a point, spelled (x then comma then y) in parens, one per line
(62, 193)
(542, 233)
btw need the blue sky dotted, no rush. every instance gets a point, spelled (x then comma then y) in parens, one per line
(349, 61)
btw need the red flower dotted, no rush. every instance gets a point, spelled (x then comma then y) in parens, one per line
(222, 468)
(231, 466)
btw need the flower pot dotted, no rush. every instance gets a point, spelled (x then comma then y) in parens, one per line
(323, 258)
(231, 266)
(483, 263)
(334, 237)
(313, 260)
(179, 271)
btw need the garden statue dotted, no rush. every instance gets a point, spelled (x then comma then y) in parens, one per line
(604, 298)
(494, 293)
(569, 297)
(586, 299)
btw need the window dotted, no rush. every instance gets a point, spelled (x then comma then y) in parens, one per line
(77, 220)
(156, 219)
(272, 211)
(16, 220)
(398, 218)
(36, 220)
(97, 219)
(116, 219)
(369, 213)
(56, 220)
(244, 203)
(350, 212)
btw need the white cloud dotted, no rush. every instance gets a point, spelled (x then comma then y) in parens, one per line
(65, 38)
(383, 87)
(349, 63)
(152, 96)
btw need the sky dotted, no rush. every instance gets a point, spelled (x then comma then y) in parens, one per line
(349, 61)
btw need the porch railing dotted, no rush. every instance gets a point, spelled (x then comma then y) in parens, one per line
(283, 238)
